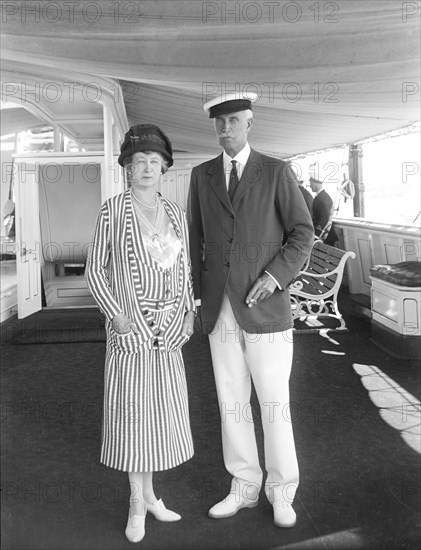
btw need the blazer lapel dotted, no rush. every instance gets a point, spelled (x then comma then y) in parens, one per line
(251, 175)
(216, 178)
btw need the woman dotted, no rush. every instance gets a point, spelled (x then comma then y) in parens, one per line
(139, 274)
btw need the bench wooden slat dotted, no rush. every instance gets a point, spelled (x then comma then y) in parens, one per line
(321, 269)
(321, 286)
(325, 276)
(329, 278)
(326, 254)
(324, 249)
(325, 260)
(312, 289)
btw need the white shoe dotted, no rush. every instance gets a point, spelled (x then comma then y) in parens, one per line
(135, 530)
(230, 506)
(283, 514)
(160, 512)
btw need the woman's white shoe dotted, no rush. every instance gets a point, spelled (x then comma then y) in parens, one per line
(135, 530)
(160, 512)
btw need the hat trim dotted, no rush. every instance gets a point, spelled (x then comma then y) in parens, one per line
(148, 137)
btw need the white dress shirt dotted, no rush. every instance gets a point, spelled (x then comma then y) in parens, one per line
(241, 158)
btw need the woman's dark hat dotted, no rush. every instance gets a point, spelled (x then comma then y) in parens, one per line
(146, 137)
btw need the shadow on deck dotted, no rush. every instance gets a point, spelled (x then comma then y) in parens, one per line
(356, 420)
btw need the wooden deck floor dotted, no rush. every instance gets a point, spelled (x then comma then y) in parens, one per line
(356, 422)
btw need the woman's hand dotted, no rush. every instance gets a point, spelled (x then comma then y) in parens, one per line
(188, 324)
(123, 324)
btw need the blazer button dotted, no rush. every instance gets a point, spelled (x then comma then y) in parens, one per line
(151, 323)
(230, 241)
(145, 311)
(227, 264)
(155, 343)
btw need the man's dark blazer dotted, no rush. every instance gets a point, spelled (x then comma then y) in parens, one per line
(308, 197)
(322, 213)
(231, 245)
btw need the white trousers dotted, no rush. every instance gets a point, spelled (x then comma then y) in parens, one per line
(239, 357)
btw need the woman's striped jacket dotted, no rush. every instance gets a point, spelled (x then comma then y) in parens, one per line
(123, 277)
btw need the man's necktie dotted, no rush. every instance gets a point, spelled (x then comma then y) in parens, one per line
(233, 181)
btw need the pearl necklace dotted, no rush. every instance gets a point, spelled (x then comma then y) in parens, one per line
(143, 204)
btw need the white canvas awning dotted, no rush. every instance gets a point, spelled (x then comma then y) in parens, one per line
(327, 73)
(17, 120)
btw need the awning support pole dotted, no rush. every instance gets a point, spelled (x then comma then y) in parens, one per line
(356, 176)
(107, 188)
(58, 140)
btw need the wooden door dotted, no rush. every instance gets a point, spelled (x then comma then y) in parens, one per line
(28, 239)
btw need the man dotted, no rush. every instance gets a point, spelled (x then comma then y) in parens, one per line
(308, 197)
(238, 212)
(322, 209)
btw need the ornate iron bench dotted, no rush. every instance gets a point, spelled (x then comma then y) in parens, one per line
(314, 292)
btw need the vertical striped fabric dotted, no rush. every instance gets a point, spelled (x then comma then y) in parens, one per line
(146, 417)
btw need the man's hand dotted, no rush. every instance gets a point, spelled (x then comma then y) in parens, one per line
(263, 288)
(188, 324)
(123, 324)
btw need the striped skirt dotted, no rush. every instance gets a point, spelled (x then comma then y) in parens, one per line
(146, 425)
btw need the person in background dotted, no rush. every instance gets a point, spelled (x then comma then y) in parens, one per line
(322, 209)
(240, 205)
(139, 274)
(308, 197)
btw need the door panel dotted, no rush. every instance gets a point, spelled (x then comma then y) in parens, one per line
(28, 239)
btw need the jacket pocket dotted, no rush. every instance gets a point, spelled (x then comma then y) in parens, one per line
(128, 342)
